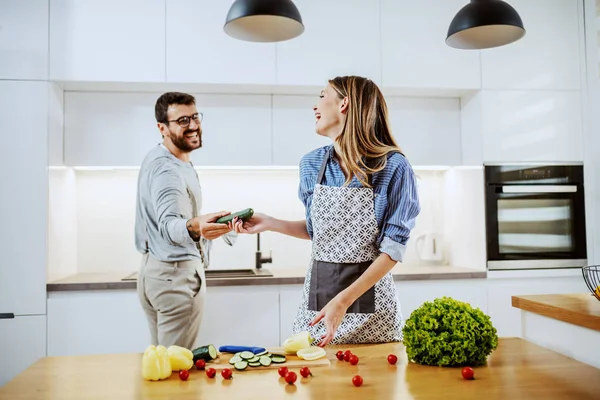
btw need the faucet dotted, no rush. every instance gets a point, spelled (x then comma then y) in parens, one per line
(259, 258)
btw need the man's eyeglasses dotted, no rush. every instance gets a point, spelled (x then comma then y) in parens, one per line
(184, 121)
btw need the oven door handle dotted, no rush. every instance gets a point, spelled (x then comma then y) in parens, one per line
(540, 189)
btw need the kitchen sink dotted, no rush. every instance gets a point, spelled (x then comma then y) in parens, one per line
(236, 273)
(221, 273)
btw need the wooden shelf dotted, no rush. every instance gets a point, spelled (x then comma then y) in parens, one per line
(581, 309)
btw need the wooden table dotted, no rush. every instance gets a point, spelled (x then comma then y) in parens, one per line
(516, 370)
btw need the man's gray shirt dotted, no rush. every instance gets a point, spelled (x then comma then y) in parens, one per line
(163, 206)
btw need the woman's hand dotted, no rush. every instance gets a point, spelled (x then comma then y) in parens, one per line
(332, 315)
(256, 224)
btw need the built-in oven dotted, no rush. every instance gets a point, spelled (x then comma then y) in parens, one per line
(535, 217)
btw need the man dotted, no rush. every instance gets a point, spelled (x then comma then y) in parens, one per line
(173, 238)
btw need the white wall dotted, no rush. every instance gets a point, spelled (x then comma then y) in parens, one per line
(93, 215)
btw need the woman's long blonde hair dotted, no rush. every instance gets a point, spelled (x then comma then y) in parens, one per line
(366, 134)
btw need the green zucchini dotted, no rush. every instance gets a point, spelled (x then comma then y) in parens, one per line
(244, 215)
(235, 359)
(254, 359)
(254, 364)
(278, 359)
(206, 353)
(265, 361)
(247, 355)
(262, 353)
(241, 365)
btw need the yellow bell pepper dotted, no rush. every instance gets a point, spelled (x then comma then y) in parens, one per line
(297, 342)
(180, 358)
(155, 363)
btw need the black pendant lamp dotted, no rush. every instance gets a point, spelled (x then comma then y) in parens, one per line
(263, 20)
(483, 24)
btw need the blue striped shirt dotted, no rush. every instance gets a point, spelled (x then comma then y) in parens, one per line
(396, 201)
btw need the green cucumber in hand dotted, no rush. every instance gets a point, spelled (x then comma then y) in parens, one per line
(244, 215)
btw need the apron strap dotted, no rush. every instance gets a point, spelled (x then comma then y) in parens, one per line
(370, 163)
(323, 165)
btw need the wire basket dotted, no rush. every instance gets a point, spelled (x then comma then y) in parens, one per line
(591, 276)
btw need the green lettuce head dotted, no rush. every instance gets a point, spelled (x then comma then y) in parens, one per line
(449, 333)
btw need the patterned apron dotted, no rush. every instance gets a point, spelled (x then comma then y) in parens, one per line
(345, 232)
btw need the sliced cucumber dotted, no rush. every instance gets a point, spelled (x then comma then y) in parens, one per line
(254, 359)
(241, 365)
(254, 364)
(262, 353)
(265, 361)
(238, 354)
(247, 355)
(235, 359)
(278, 359)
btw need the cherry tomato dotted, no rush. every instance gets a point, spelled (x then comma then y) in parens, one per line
(468, 373)
(211, 372)
(200, 364)
(353, 359)
(305, 372)
(283, 371)
(290, 377)
(340, 355)
(226, 373)
(347, 355)
(357, 380)
(184, 374)
(392, 359)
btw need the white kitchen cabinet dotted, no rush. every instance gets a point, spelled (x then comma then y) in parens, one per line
(341, 38)
(24, 177)
(294, 132)
(505, 317)
(108, 40)
(241, 315)
(236, 129)
(547, 57)
(96, 322)
(23, 342)
(123, 131)
(427, 129)
(24, 39)
(413, 294)
(112, 321)
(413, 49)
(209, 55)
(531, 126)
(290, 299)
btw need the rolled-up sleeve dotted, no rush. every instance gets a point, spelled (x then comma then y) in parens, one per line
(169, 196)
(402, 210)
(306, 188)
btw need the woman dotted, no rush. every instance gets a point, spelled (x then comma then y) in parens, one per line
(361, 203)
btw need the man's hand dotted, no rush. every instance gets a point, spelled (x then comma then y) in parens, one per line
(205, 226)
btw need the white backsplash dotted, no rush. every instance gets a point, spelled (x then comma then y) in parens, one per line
(93, 215)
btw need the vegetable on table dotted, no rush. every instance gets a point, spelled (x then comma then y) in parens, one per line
(206, 353)
(357, 380)
(468, 373)
(311, 353)
(155, 363)
(297, 342)
(392, 359)
(184, 374)
(448, 332)
(180, 358)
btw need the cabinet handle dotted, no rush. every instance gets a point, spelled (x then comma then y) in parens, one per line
(7, 315)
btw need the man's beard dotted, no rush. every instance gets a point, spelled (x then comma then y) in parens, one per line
(181, 142)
